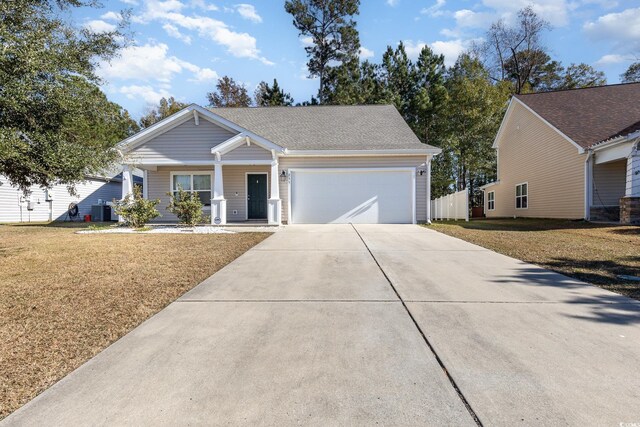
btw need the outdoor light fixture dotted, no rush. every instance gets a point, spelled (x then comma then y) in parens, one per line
(283, 176)
(421, 171)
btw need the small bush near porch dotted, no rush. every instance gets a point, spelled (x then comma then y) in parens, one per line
(595, 253)
(64, 296)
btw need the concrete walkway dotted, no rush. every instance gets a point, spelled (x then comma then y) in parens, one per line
(334, 325)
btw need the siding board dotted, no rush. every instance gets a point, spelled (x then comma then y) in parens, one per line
(530, 151)
(185, 142)
(609, 181)
(251, 152)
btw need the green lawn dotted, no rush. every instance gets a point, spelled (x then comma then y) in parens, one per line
(595, 253)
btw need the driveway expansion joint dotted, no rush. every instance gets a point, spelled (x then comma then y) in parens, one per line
(464, 400)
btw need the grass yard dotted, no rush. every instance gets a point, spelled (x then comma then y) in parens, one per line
(64, 296)
(595, 253)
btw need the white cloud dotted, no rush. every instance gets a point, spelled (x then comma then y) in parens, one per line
(466, 18)
(366, 53)
(554, 11)
(99, 26)
(147, 93)
(151, 64)
(450, 49)
(622, 28)
(131, 2)
(201, 4)
(392, 3)
(248, 11)
(174, 32)
(111, 16)
(241, 45)
(613, 59)
(306, 41)
(434, 10)
(413, 49)
(205, 75)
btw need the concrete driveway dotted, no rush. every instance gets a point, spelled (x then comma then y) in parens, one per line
(333, 325)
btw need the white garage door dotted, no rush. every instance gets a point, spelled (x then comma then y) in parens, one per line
(361, 196)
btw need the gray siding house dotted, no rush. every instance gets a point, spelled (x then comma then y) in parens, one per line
(44, 205)
(320, 164)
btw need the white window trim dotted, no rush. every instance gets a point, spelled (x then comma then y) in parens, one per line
(246, 192)
(494, 200)
(515, 200)
(190, 172)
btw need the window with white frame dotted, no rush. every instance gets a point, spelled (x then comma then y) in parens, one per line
(522, 196)
(193, 182)
(491, 200)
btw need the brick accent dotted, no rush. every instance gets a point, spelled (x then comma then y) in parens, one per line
(630, 210)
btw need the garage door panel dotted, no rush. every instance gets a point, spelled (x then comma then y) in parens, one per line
(352, 196)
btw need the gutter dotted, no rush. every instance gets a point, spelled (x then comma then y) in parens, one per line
(338, 153)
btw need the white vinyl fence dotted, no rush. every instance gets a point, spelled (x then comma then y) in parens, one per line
(451, 206)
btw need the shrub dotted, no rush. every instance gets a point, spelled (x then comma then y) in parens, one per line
(136, 210)
(186, 206)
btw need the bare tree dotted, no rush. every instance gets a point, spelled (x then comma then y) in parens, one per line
(515, 52)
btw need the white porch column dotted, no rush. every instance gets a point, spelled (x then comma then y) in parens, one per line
(127, 181)
(127, 184)
(588, 186)
(429, 190)
(218, 203)
(633, 172)
(145, 184)
(274, 211)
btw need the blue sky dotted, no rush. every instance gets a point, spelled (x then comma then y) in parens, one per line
(181, 47)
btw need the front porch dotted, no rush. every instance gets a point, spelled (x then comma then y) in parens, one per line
(239, 185)
(613, 182)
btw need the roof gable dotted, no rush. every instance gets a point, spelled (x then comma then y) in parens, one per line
(589, 115)
(515, 103)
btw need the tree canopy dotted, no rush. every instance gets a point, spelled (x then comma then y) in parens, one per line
(632, 74)
(56, 126)
(332, 31)
(271, 96)
(228, 93)
(164, 109)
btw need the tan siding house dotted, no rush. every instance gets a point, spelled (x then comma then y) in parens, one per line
(359, 164)
(567, 154)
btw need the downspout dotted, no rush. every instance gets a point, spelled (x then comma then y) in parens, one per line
(588, 184)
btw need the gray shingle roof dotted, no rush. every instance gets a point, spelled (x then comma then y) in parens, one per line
(367, 127)
(590, 115)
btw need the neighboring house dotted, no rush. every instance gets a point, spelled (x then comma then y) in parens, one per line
(569, 154)
(52, 204)
(320, 164)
